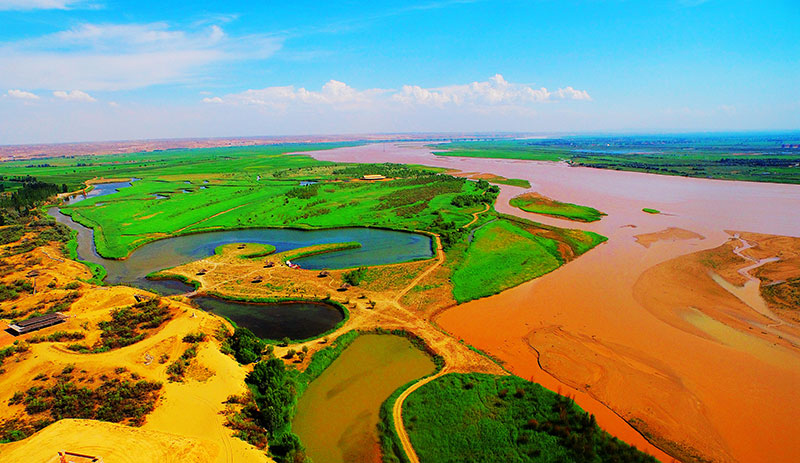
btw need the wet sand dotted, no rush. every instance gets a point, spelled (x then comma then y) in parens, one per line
(581, 330)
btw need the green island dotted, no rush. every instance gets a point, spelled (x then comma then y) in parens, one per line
(538, 204)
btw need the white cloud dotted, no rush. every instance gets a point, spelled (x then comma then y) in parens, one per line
(332, 93)
(75, 95)
(22, 95)
(124, 56)
(38, 4)
(494, 92)
(571, 93)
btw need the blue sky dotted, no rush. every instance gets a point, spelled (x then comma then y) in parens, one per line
(111, 69)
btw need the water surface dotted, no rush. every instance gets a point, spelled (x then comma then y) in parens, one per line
(337, 416)
(295, 320)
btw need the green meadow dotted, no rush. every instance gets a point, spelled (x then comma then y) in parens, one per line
(484, 418)
(266, 193)
(191, 191)
(502, 255)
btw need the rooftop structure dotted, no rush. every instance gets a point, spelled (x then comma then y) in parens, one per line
(373, 177)
(37, 323)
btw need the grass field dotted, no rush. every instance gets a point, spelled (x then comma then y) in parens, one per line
(267, 193)
(500, 149)
(532, 202)
(502, 255)
(484, 418)
(190, 191)
(750, 157)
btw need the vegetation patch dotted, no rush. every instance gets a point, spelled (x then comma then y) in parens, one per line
(177, 369)
(319, 249)
(538, 204)
(16, 348)
(355, 277)
(58, 336)
(245, 346)
(502, 255)
(785, 295)
(241, 415)
(486, 418)
(128, 325)
(124, 398)
(518, 182)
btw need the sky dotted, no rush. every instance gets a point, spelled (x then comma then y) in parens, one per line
(86, 70)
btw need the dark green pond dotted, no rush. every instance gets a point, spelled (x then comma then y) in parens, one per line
(295, 320)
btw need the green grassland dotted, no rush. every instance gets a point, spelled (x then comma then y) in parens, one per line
(191, 191)
(522, 256)
(749, 157)
(546, 206)
(505, 251)
(500, 149)
(240, 199)
(484, 418)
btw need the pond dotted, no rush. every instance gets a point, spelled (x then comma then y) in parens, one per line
(295, 320)
(379, 247)
(337, 416)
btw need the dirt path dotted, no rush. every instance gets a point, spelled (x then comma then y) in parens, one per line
(209, 217)
(397, 413)
(475, 216)
(439, 261)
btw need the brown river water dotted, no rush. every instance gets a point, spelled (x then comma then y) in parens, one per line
(580, 330)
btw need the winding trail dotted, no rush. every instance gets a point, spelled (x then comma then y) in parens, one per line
(475, 216)
(397, 413)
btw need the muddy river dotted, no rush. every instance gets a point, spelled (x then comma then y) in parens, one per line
(580, 330)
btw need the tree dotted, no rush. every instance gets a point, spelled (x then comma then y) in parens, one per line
(246, 346)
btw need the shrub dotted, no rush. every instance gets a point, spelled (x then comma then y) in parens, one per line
(245, 346)
(194, 338)
(354, 277)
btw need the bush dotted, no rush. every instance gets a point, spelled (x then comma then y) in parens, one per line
(177, 369)
(119, 400)
(355, 277)
(127, 324)
(194, 338)
(245, 346)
